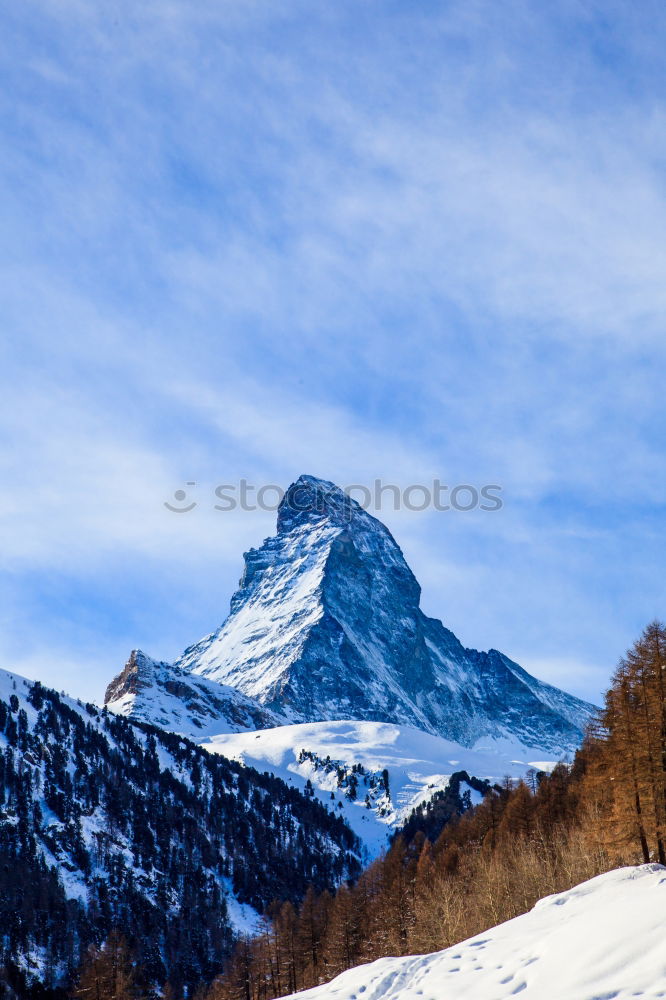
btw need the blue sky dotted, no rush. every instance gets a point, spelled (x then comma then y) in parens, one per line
(354, 239)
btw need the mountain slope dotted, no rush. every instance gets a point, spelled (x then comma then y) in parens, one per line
(326, 625)
(105, 823)
(374, 773)
(602, 940)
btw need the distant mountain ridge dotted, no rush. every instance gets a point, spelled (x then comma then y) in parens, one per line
(326, 625)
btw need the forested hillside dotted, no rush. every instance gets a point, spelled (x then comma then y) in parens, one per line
(105, 824)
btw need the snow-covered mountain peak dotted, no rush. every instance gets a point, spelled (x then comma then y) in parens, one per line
(309, 500)
(309, 592)
(311, 505)
(137, 673)
(326, 625)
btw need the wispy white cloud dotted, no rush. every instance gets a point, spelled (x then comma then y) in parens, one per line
(258, 240)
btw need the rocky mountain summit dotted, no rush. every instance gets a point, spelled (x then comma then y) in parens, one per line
(326, 625)
(163, 695)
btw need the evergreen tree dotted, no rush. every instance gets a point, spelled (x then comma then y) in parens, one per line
(628, 747)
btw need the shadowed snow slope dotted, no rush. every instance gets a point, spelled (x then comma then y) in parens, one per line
(602, 940)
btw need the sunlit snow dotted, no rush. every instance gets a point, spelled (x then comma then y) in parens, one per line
(602, 940)
(418, 764)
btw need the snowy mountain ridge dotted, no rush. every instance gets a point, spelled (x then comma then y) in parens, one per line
(326, 625)
(164, 695)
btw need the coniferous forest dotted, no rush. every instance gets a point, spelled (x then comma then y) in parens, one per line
(118, 841)
(108, 826)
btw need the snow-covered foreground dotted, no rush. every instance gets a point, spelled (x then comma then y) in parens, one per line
(603, 940)
(418, 765)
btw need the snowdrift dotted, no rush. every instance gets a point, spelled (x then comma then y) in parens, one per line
(603, 940)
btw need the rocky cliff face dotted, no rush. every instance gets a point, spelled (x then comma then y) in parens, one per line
(165, 696)
(326, 624)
